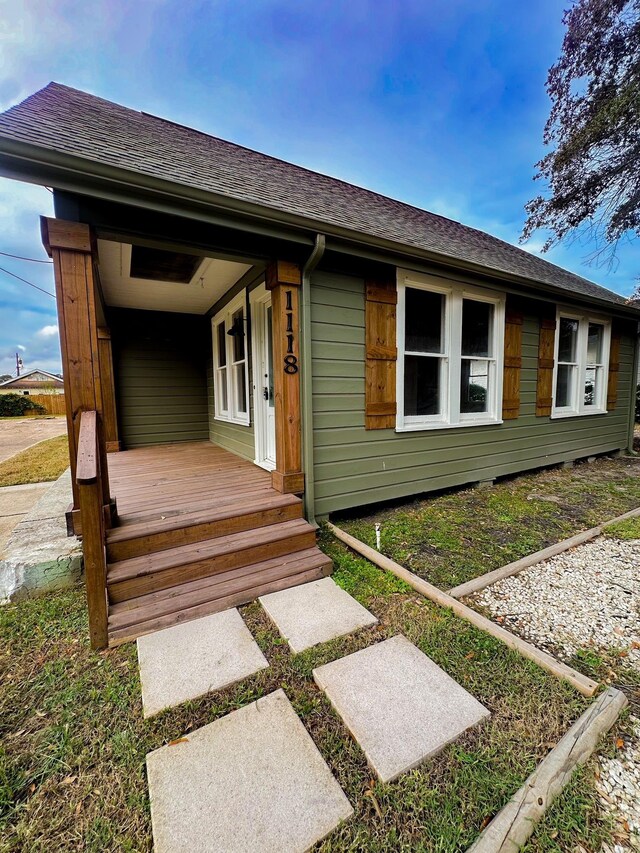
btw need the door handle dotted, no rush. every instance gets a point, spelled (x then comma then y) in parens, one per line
(265, 393)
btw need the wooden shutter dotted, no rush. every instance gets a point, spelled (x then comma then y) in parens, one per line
(512, 360)
(381, 354)
(546, 355)
(614, 368)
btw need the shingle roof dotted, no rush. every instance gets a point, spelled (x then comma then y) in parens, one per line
(75, 123)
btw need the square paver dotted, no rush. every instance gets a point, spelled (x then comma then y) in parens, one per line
(189, 660)
(251, 781)
(314, 613)
(398, 704)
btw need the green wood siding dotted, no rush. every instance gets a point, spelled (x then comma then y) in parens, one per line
(160, 372)
(354, 467)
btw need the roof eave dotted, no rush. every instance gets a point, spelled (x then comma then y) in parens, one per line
(36, 164)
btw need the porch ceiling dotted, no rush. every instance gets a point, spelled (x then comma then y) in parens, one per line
(211, 279)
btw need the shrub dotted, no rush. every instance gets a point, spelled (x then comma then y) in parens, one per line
(15, 405)
(638, 404)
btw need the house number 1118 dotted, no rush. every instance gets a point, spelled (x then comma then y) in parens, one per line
(290, 360)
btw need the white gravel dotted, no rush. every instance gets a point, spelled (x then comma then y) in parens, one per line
(587, 598)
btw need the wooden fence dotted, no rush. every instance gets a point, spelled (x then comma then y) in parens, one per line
(53, 403)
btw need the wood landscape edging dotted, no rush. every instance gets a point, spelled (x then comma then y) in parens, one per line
(580, 682)
(476, 584)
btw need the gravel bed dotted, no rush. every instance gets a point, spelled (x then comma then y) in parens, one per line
(587, 598)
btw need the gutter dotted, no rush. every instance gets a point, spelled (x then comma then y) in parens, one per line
(36, 164)
(307, 378)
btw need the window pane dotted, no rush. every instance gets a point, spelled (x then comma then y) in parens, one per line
(564, 386)
(568, 336)
(594, 343)
(222, 343)
(423, 320)
(592, 386)
(474, 386)
(241, 389)
(477, 320)
(222, 389)
(421, 385)
(237, 324)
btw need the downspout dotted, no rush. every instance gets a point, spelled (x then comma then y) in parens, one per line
(634, 387)
(307, 378)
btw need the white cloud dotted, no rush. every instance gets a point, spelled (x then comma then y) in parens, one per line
(20, 347)
(48, 331)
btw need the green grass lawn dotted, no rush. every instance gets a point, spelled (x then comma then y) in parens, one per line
(38, 464)
(72, 773)
(453, 537)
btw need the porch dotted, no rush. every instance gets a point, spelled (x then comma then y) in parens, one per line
(198, 530)
(180, 366)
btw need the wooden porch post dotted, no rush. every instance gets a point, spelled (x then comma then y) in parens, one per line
(110, 419)
(283, 279)
(70, 246)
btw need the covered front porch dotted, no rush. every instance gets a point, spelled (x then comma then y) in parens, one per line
(183, 407)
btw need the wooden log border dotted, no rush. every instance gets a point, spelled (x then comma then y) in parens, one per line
(492, 577)
(514, 824)
(580, 682)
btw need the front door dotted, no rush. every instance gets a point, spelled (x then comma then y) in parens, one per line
(264, 403)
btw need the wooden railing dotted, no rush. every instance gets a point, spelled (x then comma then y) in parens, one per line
(91, 488)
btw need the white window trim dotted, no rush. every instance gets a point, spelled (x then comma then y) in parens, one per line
(231, 415)
(578, 407)
(454, 293)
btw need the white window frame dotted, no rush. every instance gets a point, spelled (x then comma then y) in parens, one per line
(578, 408)
(232, 414)
(451, 356)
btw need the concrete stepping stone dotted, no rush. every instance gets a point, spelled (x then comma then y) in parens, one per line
(398, 704)
(189, 660)
(314, 613)
(251, 781)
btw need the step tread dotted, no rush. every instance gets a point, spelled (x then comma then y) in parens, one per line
(191, 593)
(182, 555)
(147, 625)
(138, 529)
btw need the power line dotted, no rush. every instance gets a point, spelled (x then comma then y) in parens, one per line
(21, 258)
(8, 272)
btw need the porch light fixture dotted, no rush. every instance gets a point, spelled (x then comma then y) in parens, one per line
(237, 330)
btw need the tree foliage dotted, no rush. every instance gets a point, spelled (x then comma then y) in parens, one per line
(593, 171)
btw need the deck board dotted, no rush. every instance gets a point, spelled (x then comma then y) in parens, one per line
(166, 480)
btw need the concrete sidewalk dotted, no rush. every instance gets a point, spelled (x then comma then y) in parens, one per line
(15, 503)
(39, 556)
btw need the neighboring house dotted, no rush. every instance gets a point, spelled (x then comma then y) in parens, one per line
(33, 382)
(249, 331)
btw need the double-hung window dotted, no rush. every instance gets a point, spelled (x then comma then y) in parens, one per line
(450, 354)
(581, 365)
(230, 366)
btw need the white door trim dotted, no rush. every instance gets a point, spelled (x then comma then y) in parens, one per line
(259, 300)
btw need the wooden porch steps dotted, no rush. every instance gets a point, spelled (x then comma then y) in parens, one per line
(199, 530)
(141, 615)
(168, 531)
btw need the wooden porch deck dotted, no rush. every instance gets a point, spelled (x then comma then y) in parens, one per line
(199, 530)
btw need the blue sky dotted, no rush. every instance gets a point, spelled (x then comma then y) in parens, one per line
(440, 103)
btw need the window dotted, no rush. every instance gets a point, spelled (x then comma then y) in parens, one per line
(581, 365)
(230, 367)
(450, 342)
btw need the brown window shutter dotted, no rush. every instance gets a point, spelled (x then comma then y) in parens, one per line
(381, 354)
(546, 355)
(614, 368)
(512, 360)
